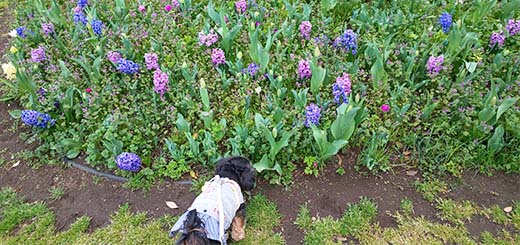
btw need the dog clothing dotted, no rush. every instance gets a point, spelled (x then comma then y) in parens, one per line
(216, 207)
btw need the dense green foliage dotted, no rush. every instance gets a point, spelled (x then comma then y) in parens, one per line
(464, 115)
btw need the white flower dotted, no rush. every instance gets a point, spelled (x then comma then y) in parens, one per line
(13, 33)
(9, 71)
(258, 90)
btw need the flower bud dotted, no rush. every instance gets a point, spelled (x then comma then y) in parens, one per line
(239, 55)
(494, 101)
(184, 65)
(317, 52)
(202, 83)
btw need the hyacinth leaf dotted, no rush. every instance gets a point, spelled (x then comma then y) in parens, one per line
(213, 14)
(263, 56)
(290, 9)
(505, 105)
(327, 5)
(318, 76)
(495, 143)
(15, 114)
(263, 164)
(205, 98)
(486, 114)
(194, 145)
(65, 72)
(182, 125)
(300, 98)
(25, 83)
(428, 110)
(508, 9)
(344, 125)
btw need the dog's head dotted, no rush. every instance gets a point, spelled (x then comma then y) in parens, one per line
(238, 169)
(195, 234)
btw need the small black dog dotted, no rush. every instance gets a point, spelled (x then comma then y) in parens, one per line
(220, 207)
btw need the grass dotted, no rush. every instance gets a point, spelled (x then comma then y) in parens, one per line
(357, 225)
(328, 230)
(56, 192)
(262, 218)
(431, 189)
(456, 212)
(34, 223)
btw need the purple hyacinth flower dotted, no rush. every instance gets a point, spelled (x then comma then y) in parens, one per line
(48, 28)
(304, 70)
(113, 56)
(434, 65)
(218, 56)
(128, 161)
(127, 66)
(305, 29)
(497, 38)
(341, 89)
(513, 27)
(312, 115)
(38, 55)
(151, 60)
(160, 82)
(445, 21)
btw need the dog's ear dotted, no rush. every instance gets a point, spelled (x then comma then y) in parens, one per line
(248, 179)
(247, 173)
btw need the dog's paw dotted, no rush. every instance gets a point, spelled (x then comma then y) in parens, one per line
(238, 234)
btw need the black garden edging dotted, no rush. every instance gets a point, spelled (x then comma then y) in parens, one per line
(110, 176)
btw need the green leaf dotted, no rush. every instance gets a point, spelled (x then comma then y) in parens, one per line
(427, 111)
(182, 125)
(486, 114)
(16, 114)
(263, 164)
(332, 149)
(205, 98)
(471, 66)
(73, 153)
(318, 76)
(65, 72)
(506, 104)
(495, 143)
(344, 125)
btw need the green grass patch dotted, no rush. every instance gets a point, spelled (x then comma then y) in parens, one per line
(496, 214)
(262, 218)
(328, 230)
(456, 212)
(14, 211)
(431, 189)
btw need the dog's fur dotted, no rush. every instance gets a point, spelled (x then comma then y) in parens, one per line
(238, 169)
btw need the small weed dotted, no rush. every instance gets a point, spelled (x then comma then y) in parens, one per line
(515, 215)
(503, 237)
(455, 212)
(495, 214)
(431, 189)
(2, 161)
(97, 179)
(304, 220)
(340, 171)
(56, 193)
(407, 207)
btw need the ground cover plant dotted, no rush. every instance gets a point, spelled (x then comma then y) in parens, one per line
(36, 224)
(151, 89)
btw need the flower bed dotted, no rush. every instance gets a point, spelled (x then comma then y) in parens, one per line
(178, 83)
